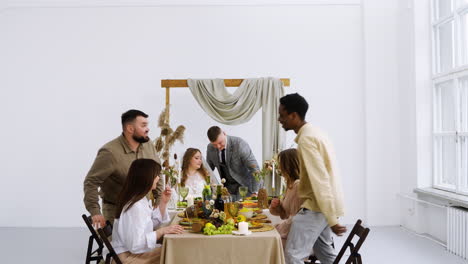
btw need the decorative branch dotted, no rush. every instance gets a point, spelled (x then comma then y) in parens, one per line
(167, 137)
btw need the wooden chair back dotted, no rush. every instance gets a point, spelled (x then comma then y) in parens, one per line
(354, 257)
(105, 233)
(93, 255)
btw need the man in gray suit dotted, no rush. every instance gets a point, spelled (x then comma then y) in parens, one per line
(233, 159)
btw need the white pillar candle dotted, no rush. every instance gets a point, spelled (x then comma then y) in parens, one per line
(273, 178)
(179, 171)
(243, 227)
(189, 200)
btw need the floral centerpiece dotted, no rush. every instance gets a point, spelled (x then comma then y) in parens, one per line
(217, 224)
(215, 219)
(267, 169)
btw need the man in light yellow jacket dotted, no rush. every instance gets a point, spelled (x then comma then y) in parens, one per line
(319, 187)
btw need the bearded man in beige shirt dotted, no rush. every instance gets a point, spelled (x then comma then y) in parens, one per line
(109, 170)
(319, 187)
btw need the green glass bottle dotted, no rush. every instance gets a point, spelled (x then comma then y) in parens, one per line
(219, 203)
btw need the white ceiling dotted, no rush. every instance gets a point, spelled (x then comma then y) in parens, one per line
(100, 3)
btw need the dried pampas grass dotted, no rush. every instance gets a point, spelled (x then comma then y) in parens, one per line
(168, 137)
(165, 156)
(179, 133)
(159, 144)
(162, 118)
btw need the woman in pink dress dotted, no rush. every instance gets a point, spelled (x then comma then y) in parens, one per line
(288, 206)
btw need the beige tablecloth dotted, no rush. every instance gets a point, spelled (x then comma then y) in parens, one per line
(259, 247)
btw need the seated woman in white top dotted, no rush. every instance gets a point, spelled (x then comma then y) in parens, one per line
(136, 224)
(194, 175)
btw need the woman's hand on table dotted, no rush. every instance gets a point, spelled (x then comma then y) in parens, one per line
(172, 229)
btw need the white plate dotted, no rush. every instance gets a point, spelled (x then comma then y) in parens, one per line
(237, 233)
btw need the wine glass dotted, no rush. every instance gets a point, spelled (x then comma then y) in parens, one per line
(243, 191)
(183, 191)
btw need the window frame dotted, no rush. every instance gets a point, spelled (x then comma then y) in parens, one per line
(456, 74)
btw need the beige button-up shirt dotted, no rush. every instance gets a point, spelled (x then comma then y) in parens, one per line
(110, 169)
(319, 186)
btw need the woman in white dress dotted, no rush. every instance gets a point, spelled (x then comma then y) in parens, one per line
(136, 227)
(194, 175)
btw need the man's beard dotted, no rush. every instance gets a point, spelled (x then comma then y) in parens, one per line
(285, 128)
(142, 139)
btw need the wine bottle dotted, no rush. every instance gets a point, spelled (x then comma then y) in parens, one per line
(219, 203)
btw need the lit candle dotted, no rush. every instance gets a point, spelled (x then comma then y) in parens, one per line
(243, 227)
(189, 200)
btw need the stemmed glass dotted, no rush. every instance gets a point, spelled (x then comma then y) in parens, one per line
(243, 191)
(183, 191)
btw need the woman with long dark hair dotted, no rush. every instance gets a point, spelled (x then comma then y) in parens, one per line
(288, 206)
(136, 227)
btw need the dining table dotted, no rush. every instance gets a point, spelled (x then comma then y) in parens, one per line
(190, 247)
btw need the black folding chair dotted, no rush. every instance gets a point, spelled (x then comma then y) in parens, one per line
(354, 257)
(91, 255)
(104, 234)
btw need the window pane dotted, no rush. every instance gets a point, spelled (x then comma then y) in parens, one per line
(464, 104)
(445, 49)
(464, 38)
(464, 163)
(444, 107)
(462, 3)
(444, 7)
(445, 165)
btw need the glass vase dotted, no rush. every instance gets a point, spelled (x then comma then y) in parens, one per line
(172, 205)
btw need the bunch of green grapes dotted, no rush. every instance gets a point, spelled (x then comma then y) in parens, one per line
(209, 229)
(212, 230)
(225, 229)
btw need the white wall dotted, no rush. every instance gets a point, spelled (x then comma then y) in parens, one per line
(68, 73)
(415, 116)
(381, 112)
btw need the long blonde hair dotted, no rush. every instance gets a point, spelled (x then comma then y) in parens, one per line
(188, 155)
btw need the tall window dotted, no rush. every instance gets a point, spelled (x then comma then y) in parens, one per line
(450, 94)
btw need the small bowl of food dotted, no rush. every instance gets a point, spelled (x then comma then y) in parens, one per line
(246, 212)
